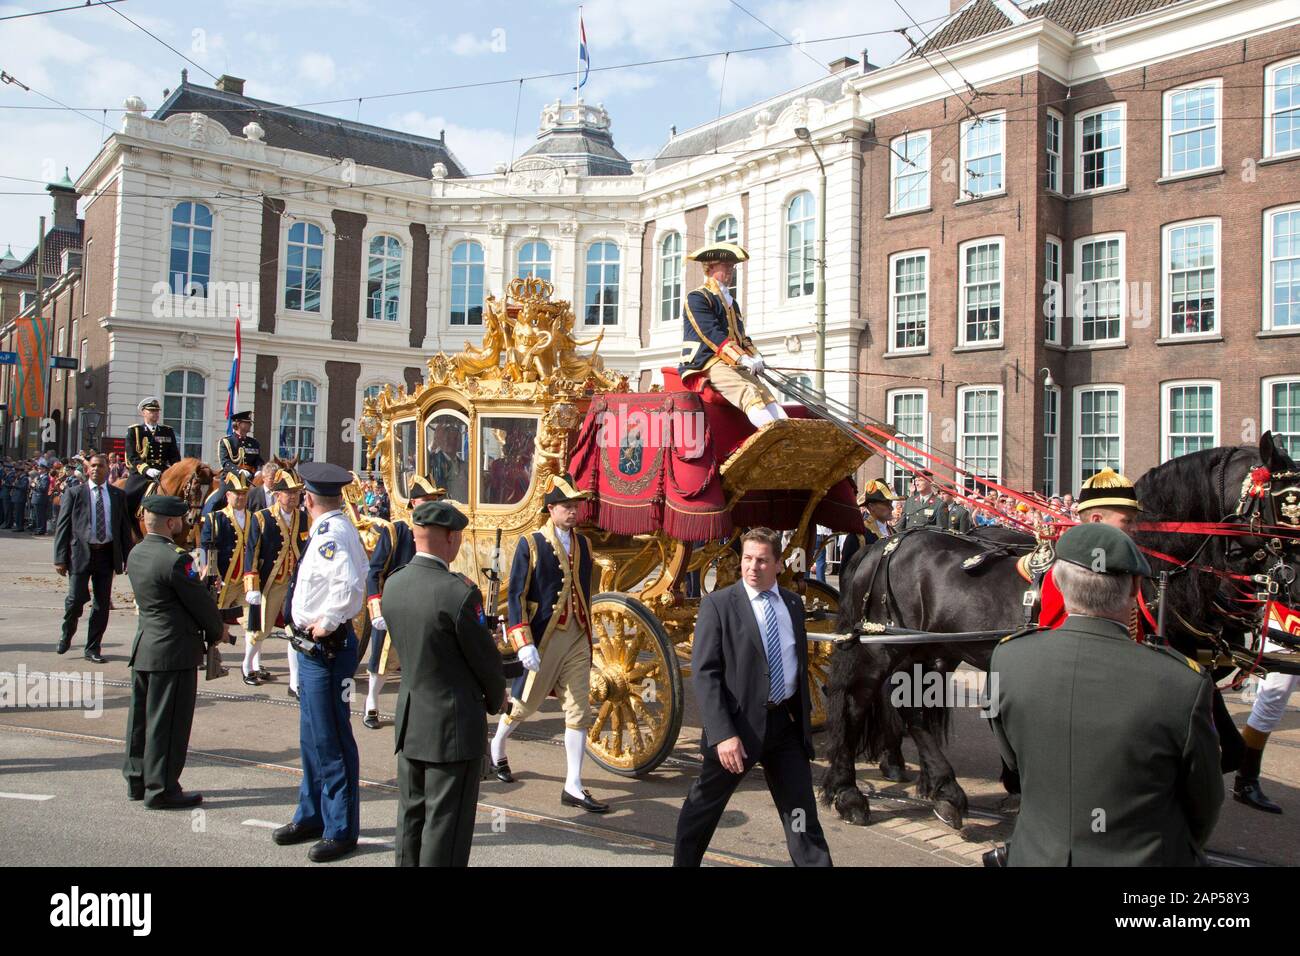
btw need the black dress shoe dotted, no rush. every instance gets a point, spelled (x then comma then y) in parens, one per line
(96, 658)
(1248, 791)
(134, 794)
(293, 693)
(371, 719)
(588, 803)
(252, 680)
(176, 801)
(63, 645)
(502, 772)
(292, 833)
(327, 850)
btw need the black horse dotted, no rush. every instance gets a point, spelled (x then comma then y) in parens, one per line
(919, 581)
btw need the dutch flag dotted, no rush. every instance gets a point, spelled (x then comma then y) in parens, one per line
(584, 59)
(232, 389)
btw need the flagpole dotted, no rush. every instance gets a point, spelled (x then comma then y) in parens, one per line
(577, 73)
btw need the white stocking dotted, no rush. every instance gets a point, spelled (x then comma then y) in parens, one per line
(250, 656)
(574, 745)
(776, 411)
(372, 695)
(504, 729)
(257, 655)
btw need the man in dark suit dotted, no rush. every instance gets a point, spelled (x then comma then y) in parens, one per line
(750, 659)
(260, 496)
(1113, 740)
(178, 616)
(91, 542)
(451, 680)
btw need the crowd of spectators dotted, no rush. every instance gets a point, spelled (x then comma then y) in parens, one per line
(31, 489)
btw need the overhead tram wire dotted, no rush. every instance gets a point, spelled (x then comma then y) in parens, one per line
(925, 38)
(40, 13)
(163, 42)
(773, 29)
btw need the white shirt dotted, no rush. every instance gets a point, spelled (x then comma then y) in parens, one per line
(566, 539)
(784, 626)
(332, 577)
(94, 507)
(882, 529)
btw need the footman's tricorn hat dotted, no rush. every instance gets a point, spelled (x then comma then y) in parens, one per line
(168, 505)
(876, 491)
(560, 489)
(1108, 489)
(719, 252)
(441, 514)
(1102, 549)
(286, 480)
(234, 481)
(421, 487)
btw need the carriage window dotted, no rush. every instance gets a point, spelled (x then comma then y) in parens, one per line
(446, 445)
(506, 465)
(404, 449)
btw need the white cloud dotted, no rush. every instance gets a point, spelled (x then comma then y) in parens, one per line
(317, 69)
(479, 150)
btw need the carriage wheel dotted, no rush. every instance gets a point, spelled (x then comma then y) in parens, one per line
(636, 687)
(826, 598)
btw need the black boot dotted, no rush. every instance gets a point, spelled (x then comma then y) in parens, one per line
(1246, 788)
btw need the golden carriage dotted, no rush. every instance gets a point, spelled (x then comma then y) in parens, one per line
(492, 423)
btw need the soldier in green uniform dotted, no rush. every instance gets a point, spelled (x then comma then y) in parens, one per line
(1114, 740)
(178, 616)
(451, 681)
(959, 519)
(924, 508)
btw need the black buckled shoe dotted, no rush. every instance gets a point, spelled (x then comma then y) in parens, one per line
(292, 833)
(502, 772)
(252, 680)
(293, 693)
(327, 850)
(371, 720)
(264, 675)
(175, 801)
(1248, 791)
(587, 802)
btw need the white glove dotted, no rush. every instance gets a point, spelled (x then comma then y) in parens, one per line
(253, 597)
(529, 657)
(377, 623)
(753, 363)
(152, 472)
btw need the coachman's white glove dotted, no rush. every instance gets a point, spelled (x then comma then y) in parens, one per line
(152, 472)
(253, 597)
(529, 657)
(377, 623)
(753, 363)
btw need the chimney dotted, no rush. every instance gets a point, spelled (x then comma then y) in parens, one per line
(64, 194)
(842, 64)
(230, 84)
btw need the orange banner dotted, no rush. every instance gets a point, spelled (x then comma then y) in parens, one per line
(29, 378)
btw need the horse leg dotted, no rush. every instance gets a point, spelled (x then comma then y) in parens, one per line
(847, 693)
(938, 781)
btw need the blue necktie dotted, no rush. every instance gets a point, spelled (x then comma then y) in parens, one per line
(101, 528)
(772, 641)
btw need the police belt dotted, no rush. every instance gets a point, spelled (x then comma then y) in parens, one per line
(327, 647)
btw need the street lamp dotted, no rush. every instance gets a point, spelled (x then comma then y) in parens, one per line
(804, 135)
(91, 421)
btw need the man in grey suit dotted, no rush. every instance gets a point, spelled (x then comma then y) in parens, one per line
(451, 680)
(1113, 739)
(750, 662)
(178, 616)
(91, 541)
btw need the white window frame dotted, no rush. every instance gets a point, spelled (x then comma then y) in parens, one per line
(396, 321)
(1166, 278)
(1053, 291)
(1077, 412)
(962, 341)
(808, 263)
(58, 350)
(1166, 409)
(1123, 147)
(1052, 433)
(892, 347)
(85, 277)
(664, 261)
(961, 460)
(468, 265)
(912, 166)
(1077, 307)
(318, 449)
(1267, 270)
(1053, 181)
(602, 263)
(728, 235)
(893, 471)
(179, 426)
(1266, 407)
(1167, 132)
(549, 262)
(1271, 113)
(966, 192)
(193, 228)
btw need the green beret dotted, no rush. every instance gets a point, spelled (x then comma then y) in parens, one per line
(443, 514)
(168, 505)
(1102, 549)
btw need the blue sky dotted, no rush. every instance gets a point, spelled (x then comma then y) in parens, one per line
(300, 51)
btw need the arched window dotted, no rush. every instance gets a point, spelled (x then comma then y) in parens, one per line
(184, 393)
(384, 278)
(191, 251)
(534, 260)
(601, 299)
(670, 277)
(728, 230)
(304, 260)
(467, 283)
(800, 220)
(297, 419)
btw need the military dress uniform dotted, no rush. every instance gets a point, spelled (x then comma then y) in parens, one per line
(1113, 740)
(177, 618)
(928, 511)
(240, 454)
(150, 448)
(959, 519)
(329, 589)
(451, 680)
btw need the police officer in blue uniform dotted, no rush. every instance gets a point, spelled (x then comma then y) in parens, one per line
(327, 593)
(394, 550)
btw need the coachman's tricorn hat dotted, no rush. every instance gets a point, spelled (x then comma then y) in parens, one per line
(720, 252)
(876, 491)
(286, 480)
(421, 487)
(560, 489)
(1108, 489)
